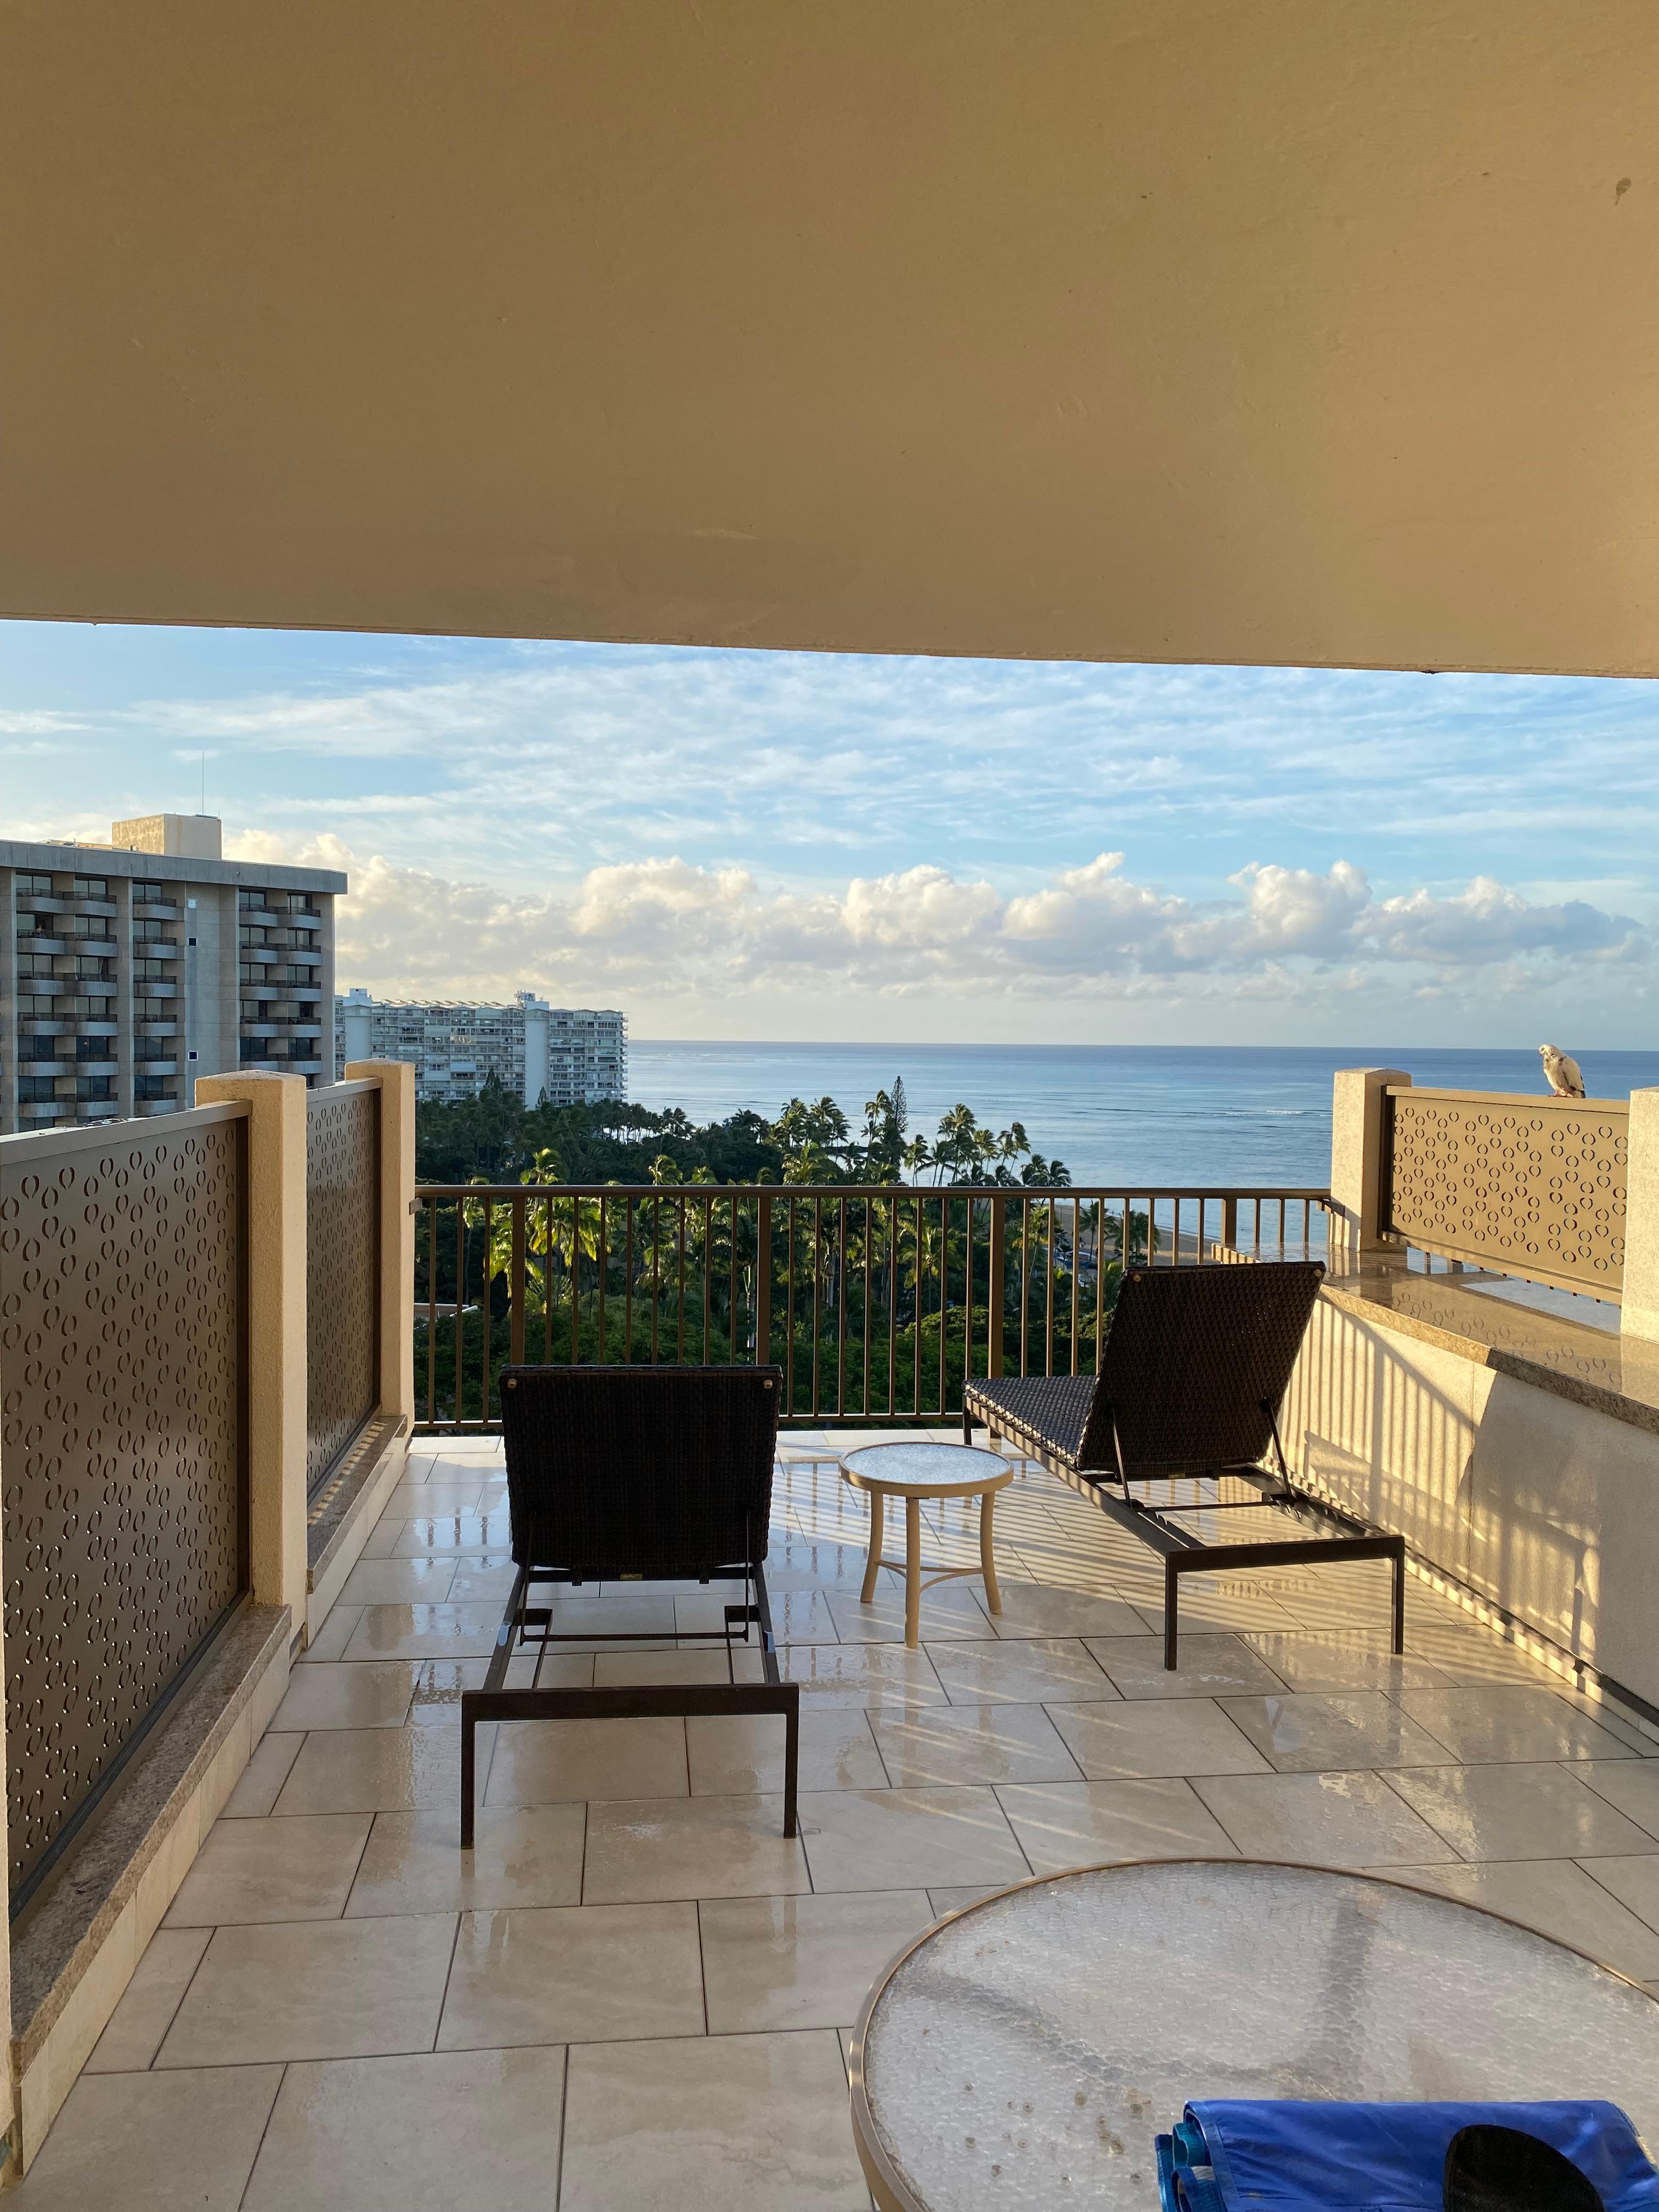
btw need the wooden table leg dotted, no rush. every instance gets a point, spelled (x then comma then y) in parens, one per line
(987, 1562)
(878, 1524)
(913, 1572)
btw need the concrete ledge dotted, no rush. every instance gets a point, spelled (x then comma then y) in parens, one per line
(74, 1951)
(1606, 1373)
(346, 1511)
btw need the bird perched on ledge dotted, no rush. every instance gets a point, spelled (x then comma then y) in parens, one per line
(1561, 1072)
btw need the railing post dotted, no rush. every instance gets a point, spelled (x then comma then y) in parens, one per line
(278, 1561)
(1229, 1224)
(1358, 1117)
(1638, 1314)
(763, 1280)
(397, 1080)
(993, 1288)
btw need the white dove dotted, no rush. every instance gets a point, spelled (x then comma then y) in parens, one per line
(1561, 1072)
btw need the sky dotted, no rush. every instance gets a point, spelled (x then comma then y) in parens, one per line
(807, 846)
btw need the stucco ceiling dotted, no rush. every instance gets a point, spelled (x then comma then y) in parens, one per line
(1290, 330)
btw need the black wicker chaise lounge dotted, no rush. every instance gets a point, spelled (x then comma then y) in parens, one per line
(1193, 1371)
(637, 1474)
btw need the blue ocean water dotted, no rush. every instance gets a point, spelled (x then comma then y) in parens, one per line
(1149, 1115)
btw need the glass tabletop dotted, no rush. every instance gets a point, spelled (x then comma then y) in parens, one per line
(1025, 2053)
(923, 1465)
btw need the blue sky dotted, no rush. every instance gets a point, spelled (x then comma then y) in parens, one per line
(799, 845)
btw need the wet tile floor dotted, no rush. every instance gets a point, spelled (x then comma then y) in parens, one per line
(633, 1991)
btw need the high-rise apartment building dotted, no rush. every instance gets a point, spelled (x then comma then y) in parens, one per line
(128, 970)
(567, 1055)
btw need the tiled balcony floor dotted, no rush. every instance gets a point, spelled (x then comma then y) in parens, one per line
(634, 1993)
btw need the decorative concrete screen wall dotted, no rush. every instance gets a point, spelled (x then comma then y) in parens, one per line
(123, 1443)
(1531, 1187)
(342, 1270)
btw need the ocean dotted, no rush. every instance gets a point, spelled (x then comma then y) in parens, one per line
(1155, 1115)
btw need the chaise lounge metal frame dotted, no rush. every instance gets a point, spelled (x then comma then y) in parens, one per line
(637, 1474)
(1191, 1375)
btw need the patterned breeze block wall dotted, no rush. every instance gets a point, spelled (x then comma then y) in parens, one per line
(122, 1393)
(342, 1270)
(1530, 1187)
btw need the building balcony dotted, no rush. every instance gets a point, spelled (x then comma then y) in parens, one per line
(41, 1110)
(146, 1108)
(156, 1029)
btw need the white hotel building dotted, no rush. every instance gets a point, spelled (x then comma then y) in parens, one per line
(567, 1055)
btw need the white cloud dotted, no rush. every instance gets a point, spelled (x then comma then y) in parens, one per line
(664, 930)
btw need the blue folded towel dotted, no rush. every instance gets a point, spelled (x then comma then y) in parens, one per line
(1234, 2155)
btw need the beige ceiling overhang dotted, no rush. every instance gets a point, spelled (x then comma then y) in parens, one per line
(1273, 331)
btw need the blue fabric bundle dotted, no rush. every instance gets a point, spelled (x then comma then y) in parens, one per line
(1238, 2156)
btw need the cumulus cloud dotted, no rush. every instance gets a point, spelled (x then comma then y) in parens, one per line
(665, 928)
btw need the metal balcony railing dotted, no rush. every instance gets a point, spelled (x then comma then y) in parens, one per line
(878, 1302)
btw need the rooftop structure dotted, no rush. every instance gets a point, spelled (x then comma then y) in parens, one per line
(566, 1055)
(127, 970)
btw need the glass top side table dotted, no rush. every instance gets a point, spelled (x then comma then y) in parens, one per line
(1023, 2052)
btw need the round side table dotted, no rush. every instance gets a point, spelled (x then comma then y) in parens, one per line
(1024, 2051)
(914, 1472)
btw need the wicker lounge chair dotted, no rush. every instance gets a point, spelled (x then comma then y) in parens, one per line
(1195, 1367)
(636, 1474)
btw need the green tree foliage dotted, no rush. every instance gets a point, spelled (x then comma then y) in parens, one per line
(493, 1137)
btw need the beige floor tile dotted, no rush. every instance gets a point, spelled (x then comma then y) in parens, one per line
(586, 1973)
(1150, 1737)
(275, 1869)
(949, 1610)
(908, 1839)
(398, 1581)
(1033, 1670)
(810, 1563)
(874, 1675)
(413, 1862)
(715, 2123)
(958, 1900)
(741, 1754)
(381, 1542)
(1237, 1603)
(616, 1670)
(373, 1693)
(374, 1770)
(152, 2142)
(1070, 1824)
(798, 1616)
(1557, 1899)
(1339, 1661)
(1518, 1813)
(149, 2000)
(1318, 1731)
(1210, 1666)
(1509, 1722)
(424, 1632)
(430, 1535)
(426, 2134)
(332, 1638)
(478, 1582)
(1031, 1608)
(789, 1962)
(1633, 1881)
(437, 1495)
(553, 1762)
(261, 1780)
(1631, 1785)
(1321, 1820)
(313, 1989)
(667, 1847)
(1466, 1651)
(969, 1744)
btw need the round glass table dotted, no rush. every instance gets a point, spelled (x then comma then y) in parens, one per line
(1024, 2052)
(916, 1472)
